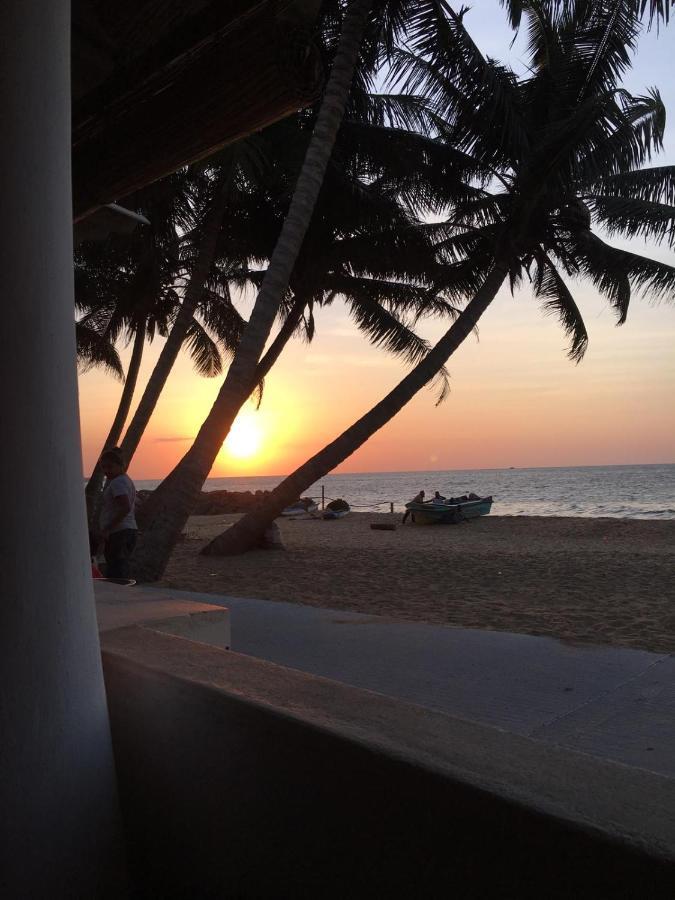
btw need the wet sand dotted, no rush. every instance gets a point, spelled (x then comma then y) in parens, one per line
(596, 581)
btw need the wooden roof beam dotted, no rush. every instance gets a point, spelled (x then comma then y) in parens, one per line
(238, 79)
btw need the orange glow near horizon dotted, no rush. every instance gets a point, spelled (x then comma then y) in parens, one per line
(515, 400)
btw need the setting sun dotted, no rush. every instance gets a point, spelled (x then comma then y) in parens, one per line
(245, 436)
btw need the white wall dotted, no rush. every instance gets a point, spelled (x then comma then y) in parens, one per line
(57, 791)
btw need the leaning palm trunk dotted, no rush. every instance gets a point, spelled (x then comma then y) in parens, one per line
(95, 483)
(249, 531)
(175, 498)
(176, 338)
(144, 514)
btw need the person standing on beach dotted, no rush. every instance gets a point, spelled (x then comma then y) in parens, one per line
(118, 519)
(418, 499)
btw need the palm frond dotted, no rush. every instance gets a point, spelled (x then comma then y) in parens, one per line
(514, 9)
(659, 10)
(654, 279)
(455, 244)
(604, 42)
(403, 22)
(391, 253)
(386, 330)
(634, 218)
(308, 323)
(203, 351)
(655, 184)
(471, 117)
(562, 10)
(95, 350)
(635, 132)
(598, 262)
(544, 39)
(425, 173)
(402, 111)
(558, 301)
(480, 211)
(222, 319)
(399, 298)
(459, 281)
(441, 383)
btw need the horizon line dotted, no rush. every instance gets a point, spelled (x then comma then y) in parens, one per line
(424, 471)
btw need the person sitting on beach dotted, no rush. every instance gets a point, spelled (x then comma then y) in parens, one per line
(118, 520)
(438, 498)
(418, 499)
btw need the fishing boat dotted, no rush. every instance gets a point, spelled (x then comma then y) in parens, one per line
(301, 507)
(336, 509)
(449, 512)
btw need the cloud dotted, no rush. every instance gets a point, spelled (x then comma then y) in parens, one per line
(173, 440)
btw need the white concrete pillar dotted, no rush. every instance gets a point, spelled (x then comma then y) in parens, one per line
(57, 792)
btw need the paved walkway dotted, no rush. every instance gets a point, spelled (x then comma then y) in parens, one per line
(607, 701)
(118, 606)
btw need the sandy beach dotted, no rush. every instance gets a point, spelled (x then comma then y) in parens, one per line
(583, 580)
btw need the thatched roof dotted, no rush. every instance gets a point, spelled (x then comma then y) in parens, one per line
(160, 83)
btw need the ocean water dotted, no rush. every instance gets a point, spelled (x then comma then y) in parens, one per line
(635, 492)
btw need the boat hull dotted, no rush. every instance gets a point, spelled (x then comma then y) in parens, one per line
(294, 511)
(449, 513)
(335, 513)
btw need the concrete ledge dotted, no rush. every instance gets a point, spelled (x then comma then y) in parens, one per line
(118, 607)
(242, 778)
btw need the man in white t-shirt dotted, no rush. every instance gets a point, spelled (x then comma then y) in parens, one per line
(117, 520)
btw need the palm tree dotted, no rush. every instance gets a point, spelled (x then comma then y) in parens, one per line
(175, 498)
(203, 288)
(566, 146)
(124, 288)
(131, 286)
(365, 247)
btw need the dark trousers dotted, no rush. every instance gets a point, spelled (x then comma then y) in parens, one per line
(118, 549)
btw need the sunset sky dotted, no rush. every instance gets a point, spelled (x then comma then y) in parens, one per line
(516, 400)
